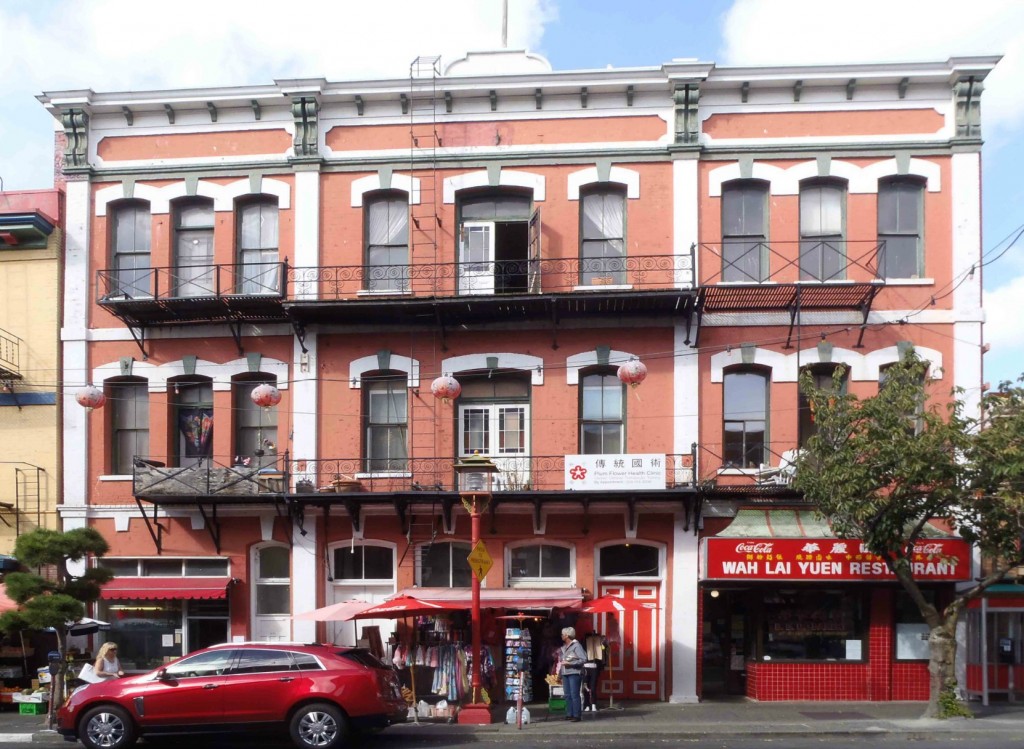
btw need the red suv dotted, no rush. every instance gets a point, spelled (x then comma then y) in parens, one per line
(317, 692)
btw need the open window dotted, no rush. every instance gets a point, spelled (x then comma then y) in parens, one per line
(495, 242)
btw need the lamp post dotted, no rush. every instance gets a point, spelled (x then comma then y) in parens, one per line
(474, 474)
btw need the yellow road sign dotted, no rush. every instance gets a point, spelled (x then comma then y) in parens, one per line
(480, 561)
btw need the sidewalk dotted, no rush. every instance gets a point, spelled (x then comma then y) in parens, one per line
(733, 718)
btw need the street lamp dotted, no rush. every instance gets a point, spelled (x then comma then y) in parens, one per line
(474, 475)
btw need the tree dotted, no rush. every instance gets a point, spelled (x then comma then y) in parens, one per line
(45, 603)
(883, 468)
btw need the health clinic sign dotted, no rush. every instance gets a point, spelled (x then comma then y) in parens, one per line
(826, 559)
(594, 473)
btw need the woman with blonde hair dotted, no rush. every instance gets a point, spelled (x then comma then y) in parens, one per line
(107, 665)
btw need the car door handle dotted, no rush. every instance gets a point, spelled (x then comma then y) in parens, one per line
(287, 678)
(210, 686)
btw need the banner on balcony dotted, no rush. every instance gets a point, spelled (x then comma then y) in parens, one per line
(594, 473)
(826, 560)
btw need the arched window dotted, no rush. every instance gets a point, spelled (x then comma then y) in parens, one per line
(444, 565)
(494, 241)
(386, 416)
(745, 417)
(602, 413)
(494, 420)
(629, 560)
(256, 240)
(822, 377)
(193, 248)
(386, 238)
(745, 231)
(192, 419)
(255, 428)
(130, 232)
(603, 235)
(360, 562)
(822, 230)
(532, 563)
(128, 400)
(901, 228)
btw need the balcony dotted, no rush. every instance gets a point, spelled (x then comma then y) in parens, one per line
(10, 354)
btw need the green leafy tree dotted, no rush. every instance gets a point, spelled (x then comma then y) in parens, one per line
(882, 468)
(56, 603)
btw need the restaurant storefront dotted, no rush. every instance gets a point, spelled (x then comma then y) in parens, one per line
(790, 612)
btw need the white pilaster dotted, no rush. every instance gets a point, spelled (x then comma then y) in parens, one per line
(304, 398)
(685, 192)
(304, 578)
(684, 613)
(967, 330)
(307, 229)
(685, 393)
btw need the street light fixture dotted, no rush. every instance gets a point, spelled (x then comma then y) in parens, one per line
(475, 475)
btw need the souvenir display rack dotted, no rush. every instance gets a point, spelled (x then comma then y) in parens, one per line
(518, 645)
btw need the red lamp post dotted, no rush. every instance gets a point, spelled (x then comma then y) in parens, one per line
(475, 474)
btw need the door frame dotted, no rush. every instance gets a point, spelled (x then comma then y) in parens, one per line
(476, 282)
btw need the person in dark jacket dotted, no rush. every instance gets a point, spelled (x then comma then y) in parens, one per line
(573, 658)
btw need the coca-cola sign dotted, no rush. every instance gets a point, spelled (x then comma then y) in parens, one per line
(826, 559)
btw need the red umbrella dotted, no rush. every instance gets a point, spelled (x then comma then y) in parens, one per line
(614, 605)
(405, 606)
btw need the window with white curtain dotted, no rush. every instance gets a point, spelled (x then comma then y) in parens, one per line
(258, 271)
(130, 230)
(900, 222)
(745, 232)
(193, 248)
(603, 236)
(386, 409)
(602, 414)
(822, 236)
(129, 419)
(387, 242)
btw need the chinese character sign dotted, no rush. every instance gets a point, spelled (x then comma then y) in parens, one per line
(601, 472)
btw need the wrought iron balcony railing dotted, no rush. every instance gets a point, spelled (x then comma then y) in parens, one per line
(748, 261)
(191, 282)
(10, 355)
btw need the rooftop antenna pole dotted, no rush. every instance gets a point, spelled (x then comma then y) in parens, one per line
(504, 24)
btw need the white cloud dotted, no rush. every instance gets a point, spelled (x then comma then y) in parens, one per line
(1005, 307)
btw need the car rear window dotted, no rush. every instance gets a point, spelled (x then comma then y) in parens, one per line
(306, 662)
(363, 657)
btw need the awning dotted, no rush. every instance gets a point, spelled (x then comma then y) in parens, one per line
(502, 598)
(166, 588)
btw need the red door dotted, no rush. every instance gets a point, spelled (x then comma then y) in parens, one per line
(633, 671)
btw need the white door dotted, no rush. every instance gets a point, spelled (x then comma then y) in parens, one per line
(350, 632)
(502, 433)
(476, 258)
(272, 594)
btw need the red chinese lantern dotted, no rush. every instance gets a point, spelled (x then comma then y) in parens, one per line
(446, 387)
(90, 397)
(265, 395)
(632, 372)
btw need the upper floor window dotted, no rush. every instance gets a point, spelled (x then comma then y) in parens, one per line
(130, 231)
(386, 232)
(494, 419)
(495, 242)
(822, 233)
(360, 562)
(745, 418)
(603, 236)
(255, 427)
(444, 565)
(900, 228)
(822, 379)
(387, 415)
(192, 419)
(257, 243)
(540, 563)
(745, 231)
(193, 248)
(129, 421)
(602, 414)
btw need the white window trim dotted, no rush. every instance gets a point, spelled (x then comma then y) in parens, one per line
(540, 582)
(506, 360)
(224, 196)
(506, 178)
(860, 180)
(348, 582)
(628, 178)
(370, 363)
(585, 359)
(221, 374)
(371, 183)
(786, 368)
(450, 543)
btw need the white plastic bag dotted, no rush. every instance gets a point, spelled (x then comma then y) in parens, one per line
(510, 716)
(423, 709)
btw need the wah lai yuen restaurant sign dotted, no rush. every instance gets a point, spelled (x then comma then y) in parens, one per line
(826, 559)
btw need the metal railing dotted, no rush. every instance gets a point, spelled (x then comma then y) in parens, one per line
(10, 355)
(822, 261)
(191, 281)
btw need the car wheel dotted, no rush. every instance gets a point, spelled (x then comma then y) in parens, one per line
(318, 726)
(106, 727)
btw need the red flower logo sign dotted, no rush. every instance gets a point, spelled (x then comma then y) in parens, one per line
(578, 473)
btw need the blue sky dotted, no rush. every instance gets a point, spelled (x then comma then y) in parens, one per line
(116, 45)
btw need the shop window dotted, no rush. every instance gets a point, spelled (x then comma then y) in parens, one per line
(120, 567)
(911, 628)
(533, 563)
(821, 376)
(386, 404)
(139, 628)
(745, 232)
(629, 560)
(813, 625)
(161, 567)
(444, 565)
(386, 232)
(602, 414)
(900, 222)
(255, 427)
(206, 567)
(257, 243)
(273, 580)
(745, 418)
(192, 417)
(129, 421)
(822, 230)
(194, 274)
(363, 562)
(603, 236)
(130, 231)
